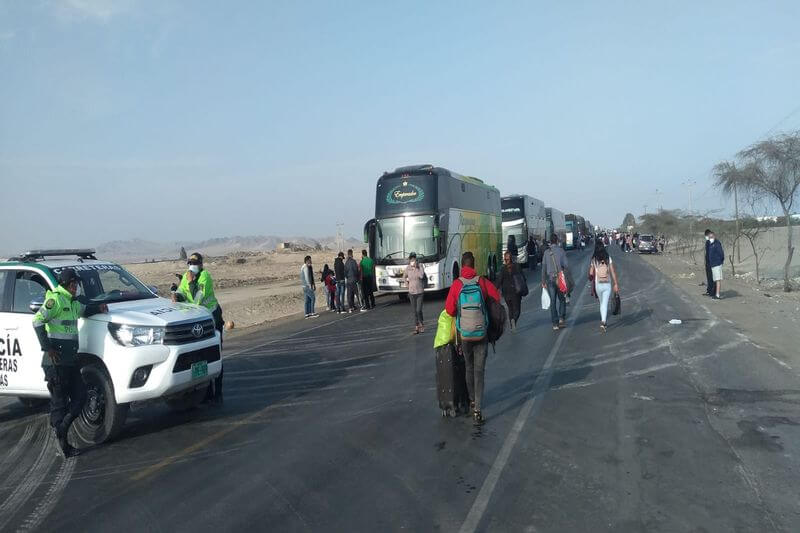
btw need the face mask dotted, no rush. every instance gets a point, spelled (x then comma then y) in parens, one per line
(711, 240)
(708, 238)
(194, 269)
(413, 262)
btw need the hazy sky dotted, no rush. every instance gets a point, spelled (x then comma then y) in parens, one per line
(188, 120)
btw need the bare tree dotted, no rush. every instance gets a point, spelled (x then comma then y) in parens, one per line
(770, 170)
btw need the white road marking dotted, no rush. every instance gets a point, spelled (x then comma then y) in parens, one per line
(540, 384)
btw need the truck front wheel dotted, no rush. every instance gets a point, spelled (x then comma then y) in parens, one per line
(102, 417)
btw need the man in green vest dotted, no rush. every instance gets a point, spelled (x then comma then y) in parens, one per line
(56, 326)
(197, 287)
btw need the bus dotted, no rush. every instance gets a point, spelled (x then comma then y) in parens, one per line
(437, 214)
(573, 232)
(556, 224)
(523, 217)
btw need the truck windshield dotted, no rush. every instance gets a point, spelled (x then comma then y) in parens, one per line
(397, 237)
(109, 283)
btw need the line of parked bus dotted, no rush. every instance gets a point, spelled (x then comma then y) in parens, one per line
(438, 214)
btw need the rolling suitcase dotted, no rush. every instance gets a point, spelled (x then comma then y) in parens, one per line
(451, 381)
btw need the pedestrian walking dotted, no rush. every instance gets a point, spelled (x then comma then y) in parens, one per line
(56, 326)
(553, 262)
(511, 247)
(368, 280)
(716, 258)
(341, 283)
(508, 284)
(351, 274)
(467, 301)
(309, 288)
(533, 258)
(414, 279)
(604, 276)
(709, 276)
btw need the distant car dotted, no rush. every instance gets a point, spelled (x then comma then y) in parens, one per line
(648, 243)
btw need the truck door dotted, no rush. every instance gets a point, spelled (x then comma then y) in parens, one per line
(20, 355)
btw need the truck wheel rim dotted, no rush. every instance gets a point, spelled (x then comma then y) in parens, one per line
(95, 406)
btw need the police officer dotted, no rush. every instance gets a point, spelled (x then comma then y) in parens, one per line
(197, 287)
(56, 326)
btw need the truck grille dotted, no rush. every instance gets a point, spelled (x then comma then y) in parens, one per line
(186, 360)
(186, 333)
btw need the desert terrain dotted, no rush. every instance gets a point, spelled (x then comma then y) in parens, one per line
(252, 287)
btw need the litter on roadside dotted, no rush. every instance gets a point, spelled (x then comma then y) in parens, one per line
(675, 322)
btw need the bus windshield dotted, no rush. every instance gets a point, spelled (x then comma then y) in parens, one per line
(397, 237)
(512, 208)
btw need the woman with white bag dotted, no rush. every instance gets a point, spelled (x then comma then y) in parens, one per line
(602, 271)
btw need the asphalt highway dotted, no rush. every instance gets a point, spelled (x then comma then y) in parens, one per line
(332, 425)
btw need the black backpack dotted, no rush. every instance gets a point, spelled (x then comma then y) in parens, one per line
(497, 321)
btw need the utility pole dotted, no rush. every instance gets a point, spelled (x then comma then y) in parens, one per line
(689, 183)
(736, 208)
(658, 198)
(340, 236)
(645, 209)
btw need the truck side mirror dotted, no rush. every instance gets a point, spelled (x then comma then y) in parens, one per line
(35, 305)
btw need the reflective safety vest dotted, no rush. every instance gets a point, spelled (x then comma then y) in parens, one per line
(204, 291)
(59, 314)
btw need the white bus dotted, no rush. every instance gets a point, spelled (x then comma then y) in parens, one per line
(437, 214)
(523, 217)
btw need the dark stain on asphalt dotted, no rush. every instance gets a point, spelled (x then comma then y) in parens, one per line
(729, 396)
(440, 445)
(754, 435)
(611, 459)
(667, 453)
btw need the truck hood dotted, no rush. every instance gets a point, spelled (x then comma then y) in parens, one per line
(152, 312)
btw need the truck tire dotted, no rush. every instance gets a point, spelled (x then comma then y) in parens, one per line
(187, 401)
(33, 403)
(102, 418)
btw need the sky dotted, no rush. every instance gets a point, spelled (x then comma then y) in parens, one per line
(171, 121)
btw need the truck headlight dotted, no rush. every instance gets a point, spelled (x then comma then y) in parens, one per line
(136, 335)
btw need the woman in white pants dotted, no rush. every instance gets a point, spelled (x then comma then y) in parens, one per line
(602, 271)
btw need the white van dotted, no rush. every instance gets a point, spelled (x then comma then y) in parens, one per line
(143, 348)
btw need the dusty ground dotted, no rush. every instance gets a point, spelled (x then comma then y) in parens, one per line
(766, 314)
(253, 288)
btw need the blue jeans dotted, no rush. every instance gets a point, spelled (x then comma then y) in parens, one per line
(603, 293)
(310, 300)
(340, 288)
(558, 302)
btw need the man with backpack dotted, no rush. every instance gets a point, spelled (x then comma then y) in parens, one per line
(468, 302)
(554, 262)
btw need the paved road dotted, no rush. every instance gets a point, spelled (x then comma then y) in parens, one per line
(332, 425)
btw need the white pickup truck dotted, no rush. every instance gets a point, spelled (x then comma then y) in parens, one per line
(143, 348)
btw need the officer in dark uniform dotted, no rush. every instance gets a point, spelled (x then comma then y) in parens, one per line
(56, 326)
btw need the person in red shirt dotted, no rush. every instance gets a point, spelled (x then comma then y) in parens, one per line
(474, 352)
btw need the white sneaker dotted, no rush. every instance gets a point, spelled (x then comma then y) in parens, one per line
(313, 315)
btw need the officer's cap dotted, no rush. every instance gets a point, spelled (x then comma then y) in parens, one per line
(67, 276)
(195, 259)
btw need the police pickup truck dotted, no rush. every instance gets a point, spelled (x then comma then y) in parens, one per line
(143, 348)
